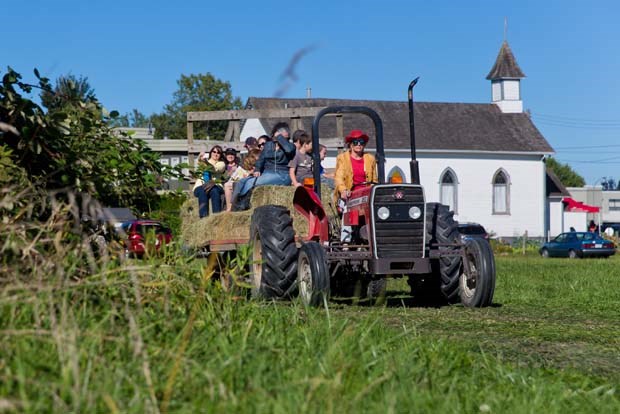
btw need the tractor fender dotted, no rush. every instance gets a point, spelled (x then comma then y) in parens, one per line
(308, 204)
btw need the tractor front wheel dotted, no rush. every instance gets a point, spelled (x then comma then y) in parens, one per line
(312, 274)
(477, 280)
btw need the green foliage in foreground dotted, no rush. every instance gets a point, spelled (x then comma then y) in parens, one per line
(71, 148)
(159, 336)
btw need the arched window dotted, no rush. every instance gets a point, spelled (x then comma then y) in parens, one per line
(447, 189)
(395, 174)
(501, 192)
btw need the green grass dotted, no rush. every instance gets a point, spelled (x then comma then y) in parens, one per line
(155, 337)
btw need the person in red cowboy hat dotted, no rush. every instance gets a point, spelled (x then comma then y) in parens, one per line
(354, 167)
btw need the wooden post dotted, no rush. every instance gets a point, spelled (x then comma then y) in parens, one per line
(524, 241)
(340, 126)
(190, 142)
(232, 131)
(296, 123)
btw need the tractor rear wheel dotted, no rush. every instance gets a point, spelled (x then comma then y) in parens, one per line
(312, 274)
(477, 281)
(442, 229)
(274, 254)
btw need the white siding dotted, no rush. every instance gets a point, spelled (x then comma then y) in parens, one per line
(475, 189)
(252, 128)
(609, 209)
(511, 90)
(507, 95)
(496, 88)
(556, 212)
(510, 107)
(576, 220)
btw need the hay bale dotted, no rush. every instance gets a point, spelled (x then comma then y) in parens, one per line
(197, 232)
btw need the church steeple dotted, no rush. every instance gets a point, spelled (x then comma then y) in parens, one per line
(505, 77)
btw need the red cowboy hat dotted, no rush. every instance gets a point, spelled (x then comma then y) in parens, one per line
(356, 134)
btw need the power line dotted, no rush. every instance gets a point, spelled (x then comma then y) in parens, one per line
(586, 152)
(589, 146)
(590, 162)
(573, 119)
(578, 126)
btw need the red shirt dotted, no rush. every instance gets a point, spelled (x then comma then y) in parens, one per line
(359, 176)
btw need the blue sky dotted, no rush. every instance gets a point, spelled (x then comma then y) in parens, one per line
(133, 52)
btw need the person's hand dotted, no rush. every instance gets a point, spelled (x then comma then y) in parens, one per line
(297, 184)
(283, 132)
(256, 174)
(344, 194)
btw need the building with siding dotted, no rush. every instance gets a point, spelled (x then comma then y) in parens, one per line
(486, 161)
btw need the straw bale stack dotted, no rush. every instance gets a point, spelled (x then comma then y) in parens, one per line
(197, 232)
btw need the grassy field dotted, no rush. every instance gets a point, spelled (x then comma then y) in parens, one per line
(158, 337)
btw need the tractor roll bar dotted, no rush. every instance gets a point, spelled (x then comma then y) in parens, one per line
(347, 110)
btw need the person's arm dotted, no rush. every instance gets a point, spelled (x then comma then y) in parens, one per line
(339, 178)
(292, 169)
(291, 173)
(260, 163)
(287, 146)
(373, 168)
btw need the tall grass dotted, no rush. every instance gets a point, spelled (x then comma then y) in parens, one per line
(80, 333)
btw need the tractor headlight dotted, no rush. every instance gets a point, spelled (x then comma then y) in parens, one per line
(383, 213)
(415, 212)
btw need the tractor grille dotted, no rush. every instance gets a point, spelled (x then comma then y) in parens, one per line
(399, 236)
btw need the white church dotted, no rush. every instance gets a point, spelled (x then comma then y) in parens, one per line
(486, 161)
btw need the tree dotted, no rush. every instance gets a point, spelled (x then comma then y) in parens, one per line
(73, 148)
(69, 90)
(566, 174)
(133, 119)
(202, 92)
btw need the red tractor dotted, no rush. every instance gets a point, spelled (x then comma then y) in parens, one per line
(395, 233)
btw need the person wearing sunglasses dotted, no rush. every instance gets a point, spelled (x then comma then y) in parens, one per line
(262, 140)
(209, 185)
(354, 167)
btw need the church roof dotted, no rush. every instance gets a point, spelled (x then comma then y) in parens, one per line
(506, 65)
(439, 126)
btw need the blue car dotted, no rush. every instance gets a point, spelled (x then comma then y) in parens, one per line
(578, 244)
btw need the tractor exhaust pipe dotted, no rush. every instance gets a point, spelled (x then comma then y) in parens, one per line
(413, 164)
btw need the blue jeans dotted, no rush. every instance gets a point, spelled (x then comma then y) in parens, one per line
(215, 194)
(266, 178)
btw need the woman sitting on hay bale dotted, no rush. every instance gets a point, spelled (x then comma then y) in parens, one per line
(209, 184)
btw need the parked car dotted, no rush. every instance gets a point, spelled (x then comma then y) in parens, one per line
(472, 230)
(134, 234)
(578, 244)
